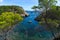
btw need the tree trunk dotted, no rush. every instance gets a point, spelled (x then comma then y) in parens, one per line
(45, 18)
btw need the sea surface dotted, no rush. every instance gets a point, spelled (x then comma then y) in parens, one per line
(30, 29)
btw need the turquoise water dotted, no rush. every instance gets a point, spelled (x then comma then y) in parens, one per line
(31, 31)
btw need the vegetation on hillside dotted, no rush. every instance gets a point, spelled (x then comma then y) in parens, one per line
(8, 19)
(10, 15)
(15, 9)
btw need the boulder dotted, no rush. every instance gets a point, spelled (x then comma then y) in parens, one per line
(25, 14)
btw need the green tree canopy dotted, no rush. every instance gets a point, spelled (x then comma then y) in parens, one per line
(46, 3)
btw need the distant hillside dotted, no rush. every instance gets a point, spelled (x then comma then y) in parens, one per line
(15, 9)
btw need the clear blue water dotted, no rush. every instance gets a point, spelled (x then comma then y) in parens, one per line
(34, 29)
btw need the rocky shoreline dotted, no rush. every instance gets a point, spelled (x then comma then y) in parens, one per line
(25, 14)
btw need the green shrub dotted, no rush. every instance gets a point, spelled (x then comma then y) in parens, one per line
(9, 18)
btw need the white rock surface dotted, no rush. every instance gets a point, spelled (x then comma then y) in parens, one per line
(25, 14)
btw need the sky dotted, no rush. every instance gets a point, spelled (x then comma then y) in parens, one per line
(26, 4)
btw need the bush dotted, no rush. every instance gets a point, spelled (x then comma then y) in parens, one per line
(9, 18)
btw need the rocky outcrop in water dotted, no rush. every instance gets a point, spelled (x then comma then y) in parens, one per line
(25, 14)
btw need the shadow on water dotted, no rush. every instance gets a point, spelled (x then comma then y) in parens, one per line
(32, 31)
